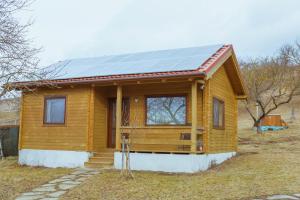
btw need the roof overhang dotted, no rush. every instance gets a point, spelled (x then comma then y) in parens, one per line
(226, 57)
(113, 79)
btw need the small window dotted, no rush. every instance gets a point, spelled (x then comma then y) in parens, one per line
(55, 108)
(218, 113)
(166, 110)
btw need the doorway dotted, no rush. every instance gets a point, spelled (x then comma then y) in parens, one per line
(111, 122)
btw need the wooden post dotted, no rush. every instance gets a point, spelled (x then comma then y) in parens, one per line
(90, 146)
(21, 121)
(118, 117)
(194, 116)
(206, 115)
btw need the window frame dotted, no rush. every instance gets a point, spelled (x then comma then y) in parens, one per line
(222, 127)
(45, 110)
(165, 95)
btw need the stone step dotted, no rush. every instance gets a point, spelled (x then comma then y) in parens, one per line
(103, 154)
(98, 164)
(102, 158)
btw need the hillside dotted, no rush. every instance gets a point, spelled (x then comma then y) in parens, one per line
(9, 111)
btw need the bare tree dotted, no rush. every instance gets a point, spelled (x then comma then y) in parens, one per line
(271, 82)
(18, 59)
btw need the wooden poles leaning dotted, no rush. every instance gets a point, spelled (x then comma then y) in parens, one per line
(126, 171)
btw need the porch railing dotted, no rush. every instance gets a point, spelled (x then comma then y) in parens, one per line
(161, 139)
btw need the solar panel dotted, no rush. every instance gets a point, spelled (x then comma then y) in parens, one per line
(144, 62)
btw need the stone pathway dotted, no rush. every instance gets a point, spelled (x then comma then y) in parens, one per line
(56, 188)
(281, 197)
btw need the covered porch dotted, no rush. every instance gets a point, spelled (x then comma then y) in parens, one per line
(157, 116)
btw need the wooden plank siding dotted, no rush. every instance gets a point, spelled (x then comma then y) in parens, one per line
(87, 109)
(70, 136)
(90, 136)
(219, 140)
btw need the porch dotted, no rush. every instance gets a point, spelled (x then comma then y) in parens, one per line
(122, 109)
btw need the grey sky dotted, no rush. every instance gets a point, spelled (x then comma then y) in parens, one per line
(77, 28)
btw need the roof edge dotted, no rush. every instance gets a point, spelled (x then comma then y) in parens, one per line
(211, 65)
(98, 79)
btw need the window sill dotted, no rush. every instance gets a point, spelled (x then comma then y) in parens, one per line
(219, 128)
(54, 125)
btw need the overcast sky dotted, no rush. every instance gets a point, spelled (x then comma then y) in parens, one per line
(76, 28)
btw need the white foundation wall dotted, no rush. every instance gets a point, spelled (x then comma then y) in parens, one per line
(53, 158)
(179, 163)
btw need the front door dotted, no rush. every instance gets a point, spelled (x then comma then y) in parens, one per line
(111, 136)
(111, 122)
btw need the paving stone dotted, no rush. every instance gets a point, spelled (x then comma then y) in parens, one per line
(82, 179)
(32, 193)
(48, 184)
(56, 181)
(44, 189)
(59, 180)
(71, 182)
(56, 194)
(85, 175)
(68, 177)
(65, 186)
(281, 197)
(93, 173)
(81, 171)
(57, 187)
(29, 197)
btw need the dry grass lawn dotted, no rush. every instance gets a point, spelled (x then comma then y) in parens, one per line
(267, 164)
(16, 179)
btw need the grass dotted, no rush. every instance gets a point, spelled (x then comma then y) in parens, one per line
(267, 164)
(15, 179)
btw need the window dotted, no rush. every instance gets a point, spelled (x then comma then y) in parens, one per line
(218, 113)
(125, 111)
(54, 111)
(166, 110)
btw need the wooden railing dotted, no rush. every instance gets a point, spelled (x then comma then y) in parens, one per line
(159, 139)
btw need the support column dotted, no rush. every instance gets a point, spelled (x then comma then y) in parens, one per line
(20, 142)
(90, 146)
(118, 117)
(194, 116)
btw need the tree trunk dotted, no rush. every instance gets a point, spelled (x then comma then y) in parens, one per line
(256, 123)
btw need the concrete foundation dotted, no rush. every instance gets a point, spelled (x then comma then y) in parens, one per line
(190, 163)
(53, 158)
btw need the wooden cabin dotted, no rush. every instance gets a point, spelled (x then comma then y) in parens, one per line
(178, 108)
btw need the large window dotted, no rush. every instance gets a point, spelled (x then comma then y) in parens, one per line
(54, 111)
(166, 110)
(218, 113)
